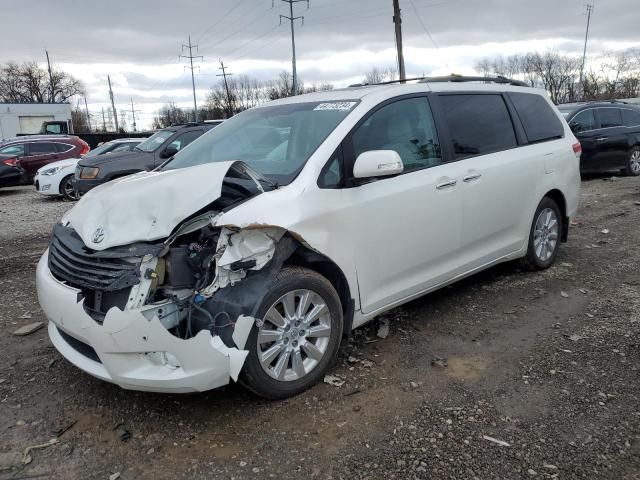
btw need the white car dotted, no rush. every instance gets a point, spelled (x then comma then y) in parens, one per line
(254, 250)
(57, 178)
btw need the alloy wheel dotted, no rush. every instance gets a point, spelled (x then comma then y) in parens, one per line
(68, 190)
(294, 335)
(634, 162)
(545, 234)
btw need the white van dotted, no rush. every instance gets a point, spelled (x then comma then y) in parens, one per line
(253, 251)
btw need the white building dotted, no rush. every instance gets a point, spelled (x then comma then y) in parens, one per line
(28, 117)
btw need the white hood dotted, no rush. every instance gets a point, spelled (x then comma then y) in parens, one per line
(70, 162)
(145, 206)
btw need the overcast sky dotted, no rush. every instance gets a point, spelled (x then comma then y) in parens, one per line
(138, 41)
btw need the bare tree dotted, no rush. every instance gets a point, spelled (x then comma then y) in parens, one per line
(79, 120)
(30, 83)
(380, 74)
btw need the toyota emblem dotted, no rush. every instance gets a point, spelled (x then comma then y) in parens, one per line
(98, 235)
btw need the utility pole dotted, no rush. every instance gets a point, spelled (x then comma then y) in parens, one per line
(584, 51)
(104, 123)
(291, 18)
(193, 81)
(397, 20)
(88, 116)
(224, 74)
(133, 116)
(113, 105)
(53, 93)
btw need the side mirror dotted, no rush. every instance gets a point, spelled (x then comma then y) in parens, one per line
(377, 163)
(169, 152)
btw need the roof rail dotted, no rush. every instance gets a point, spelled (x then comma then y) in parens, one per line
(451, 78)
(465, 78)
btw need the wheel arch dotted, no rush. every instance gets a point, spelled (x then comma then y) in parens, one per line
(304, 256)
(558, 197)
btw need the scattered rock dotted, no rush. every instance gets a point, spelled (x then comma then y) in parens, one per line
(439, 362)
(122, 433)
(574, 337)
(357, 408)
(413, 385)
(333, 380)
(604, 231)
(28, 329)
(10, 460)
(532, 472)
(550, 466)
(114, 476)
(383, 328)
(25, 315)
(564, 294)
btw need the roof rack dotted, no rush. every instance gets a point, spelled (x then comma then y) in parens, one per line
(452, 78)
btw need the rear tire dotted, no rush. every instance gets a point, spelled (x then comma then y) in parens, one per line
(285, 327)
(544, 236)
(66, 188)
(633, 163)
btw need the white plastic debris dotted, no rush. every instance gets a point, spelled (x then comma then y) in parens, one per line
(383, 329)
(502, 443)
(333, 380)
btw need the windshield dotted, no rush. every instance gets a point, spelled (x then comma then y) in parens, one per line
(104, 148)
(275, 140)
(154, 142)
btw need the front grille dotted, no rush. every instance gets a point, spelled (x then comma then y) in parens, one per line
(80, 346)
(70, 261)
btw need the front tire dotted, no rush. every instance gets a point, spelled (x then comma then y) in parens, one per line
(633, 163)
(544, 236)
(66, 188)
(297, 337)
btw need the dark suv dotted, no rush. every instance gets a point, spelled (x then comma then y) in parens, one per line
(609, 133)
(21, 157)
(149, 154)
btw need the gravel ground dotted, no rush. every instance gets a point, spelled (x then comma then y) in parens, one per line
(505, 375)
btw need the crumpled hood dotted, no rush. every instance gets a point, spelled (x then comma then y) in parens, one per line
(145, 206)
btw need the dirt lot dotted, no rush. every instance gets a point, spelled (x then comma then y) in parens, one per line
(535, 376)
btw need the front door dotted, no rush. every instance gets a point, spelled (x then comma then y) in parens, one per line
(405, 229)
(585, 129)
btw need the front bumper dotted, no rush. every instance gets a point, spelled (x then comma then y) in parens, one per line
(82, 186)
(44, 185)
(129, 350)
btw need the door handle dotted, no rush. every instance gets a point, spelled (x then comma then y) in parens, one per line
(470, 178)
(450, 183)
(601, 139)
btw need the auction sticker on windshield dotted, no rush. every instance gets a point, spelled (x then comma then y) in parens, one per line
(341, 106)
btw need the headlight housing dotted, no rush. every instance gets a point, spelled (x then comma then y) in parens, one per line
(53, 170)
(89, 173)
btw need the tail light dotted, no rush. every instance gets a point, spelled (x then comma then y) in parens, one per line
(577, 149)
(84, 148)
(11, 162)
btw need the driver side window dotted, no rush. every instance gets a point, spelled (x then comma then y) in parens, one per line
(583, 121)
(406, 127)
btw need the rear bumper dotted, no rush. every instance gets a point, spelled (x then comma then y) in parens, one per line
(12, 176)
(130, 350)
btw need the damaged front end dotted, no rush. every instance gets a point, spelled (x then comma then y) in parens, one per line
(169, 315)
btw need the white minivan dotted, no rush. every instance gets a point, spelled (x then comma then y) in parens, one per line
(251, 253)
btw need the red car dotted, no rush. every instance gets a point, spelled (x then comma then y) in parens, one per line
(21, 157)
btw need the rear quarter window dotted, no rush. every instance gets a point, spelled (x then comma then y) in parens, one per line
(631, 118)
(63, 147)
(610, 117)
(538, 119)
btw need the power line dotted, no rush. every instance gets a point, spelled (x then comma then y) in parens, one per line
(428, 34)
(224, 74)
(292, 19)
(190, 46)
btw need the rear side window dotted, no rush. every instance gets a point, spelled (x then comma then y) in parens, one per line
(41, 148)
(479, 124)
(610, 117)
(185, 139)
(63, 147)
(630, 118)
(538, 118)
(17, 150)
